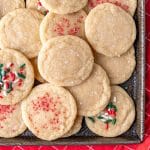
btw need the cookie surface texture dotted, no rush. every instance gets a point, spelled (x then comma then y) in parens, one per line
(110, 30)
(93, 95)
(19, 30)
(64, 6)
(65, 60)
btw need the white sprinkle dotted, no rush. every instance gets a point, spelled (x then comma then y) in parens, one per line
(115, 99)
(4, 93)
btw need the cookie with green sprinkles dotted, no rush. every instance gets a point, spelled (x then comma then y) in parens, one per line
(116, 118)
(16, 77)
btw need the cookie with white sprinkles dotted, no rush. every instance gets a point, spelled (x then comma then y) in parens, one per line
(116, 118)
(16, 77)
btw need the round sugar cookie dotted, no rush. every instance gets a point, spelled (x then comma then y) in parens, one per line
(64, 6)
(117, 118)
(57, 25)
(11, 123)
(10, 5)
(124, 66)
(65, 60)
(19, 30)
(110, 30)
(16, 77)
(36, 4)
(93, 95)
(49, 111)
(128, 5)
(76, 127)
(36, 71)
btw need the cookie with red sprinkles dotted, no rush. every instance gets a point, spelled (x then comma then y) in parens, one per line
(16, 77)
(65, 6)
(110, 30)
(65, 60)
(10, 5)
(49, 111)
(128, 5)
(11, 123)
(57, 25)
(116, 118)
(36, 4)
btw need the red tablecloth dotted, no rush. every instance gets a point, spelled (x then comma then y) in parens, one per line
(143, 146)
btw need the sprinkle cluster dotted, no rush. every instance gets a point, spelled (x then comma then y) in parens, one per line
(65, 27)
(94, 3)
(10, 78)
(108, 115)
(41, 8)
(47, 103)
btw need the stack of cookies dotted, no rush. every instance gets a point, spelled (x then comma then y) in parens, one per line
(79, 51)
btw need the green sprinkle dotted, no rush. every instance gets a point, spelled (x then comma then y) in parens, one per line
(44, 13)
(114, 121)
(108, 121)
(100, 117)
(22, 66)
(1, 65)
(92, 119)
(21, 75)
(9, 90)
(3, 73)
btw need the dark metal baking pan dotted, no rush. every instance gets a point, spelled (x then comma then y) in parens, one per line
(135, 87)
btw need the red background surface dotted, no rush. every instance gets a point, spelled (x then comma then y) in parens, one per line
(143, 146)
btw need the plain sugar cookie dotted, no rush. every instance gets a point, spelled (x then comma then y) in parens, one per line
(57, 25)
(64, 6)
(65, 60)
(76, 127)
(36, 70)
(110, 30)
(93, 95)
(49, 111)
(19, 30)
(124, 66)
(37, 5)
(117, 118)
(16, 77)
(11, 123)
(10, 5)
(128, 5)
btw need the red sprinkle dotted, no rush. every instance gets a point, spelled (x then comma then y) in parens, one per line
(7, 108)
(73, 31)
(107, 126)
